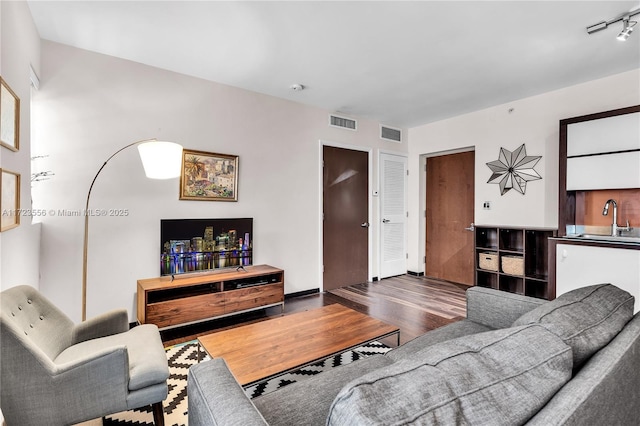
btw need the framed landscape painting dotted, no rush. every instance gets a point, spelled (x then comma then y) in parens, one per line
(9, 200)
(208, 176)
(9, 117)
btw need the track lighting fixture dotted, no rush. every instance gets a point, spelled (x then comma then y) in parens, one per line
(627, 25)
(627, 28)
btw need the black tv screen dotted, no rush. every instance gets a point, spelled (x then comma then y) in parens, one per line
(192, 245)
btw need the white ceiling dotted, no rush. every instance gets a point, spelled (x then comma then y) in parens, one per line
(400, 63)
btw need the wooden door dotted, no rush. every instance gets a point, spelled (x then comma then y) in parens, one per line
(450, 201)
(346, 215)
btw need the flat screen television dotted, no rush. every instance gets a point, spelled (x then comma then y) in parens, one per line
(193, 245)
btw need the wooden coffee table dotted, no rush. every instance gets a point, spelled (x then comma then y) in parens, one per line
(261, 350)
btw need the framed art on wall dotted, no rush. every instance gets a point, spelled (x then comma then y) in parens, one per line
(208, 176)
(9, 117)
(9, 200)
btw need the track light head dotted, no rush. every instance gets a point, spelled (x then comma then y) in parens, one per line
(627, 29)
(627, 24)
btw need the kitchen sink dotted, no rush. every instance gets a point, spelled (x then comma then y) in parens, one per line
(609, 238)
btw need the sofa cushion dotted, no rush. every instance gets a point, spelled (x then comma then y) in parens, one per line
(441, 334)
(307, 402)
(498, 377)
(496, 308)
(586, 318)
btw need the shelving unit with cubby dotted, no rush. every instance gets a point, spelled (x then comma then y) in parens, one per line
(522, 252)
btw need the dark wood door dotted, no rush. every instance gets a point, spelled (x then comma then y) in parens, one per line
(450, 201)
(346, 212)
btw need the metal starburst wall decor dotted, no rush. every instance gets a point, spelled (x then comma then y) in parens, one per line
(512, 170)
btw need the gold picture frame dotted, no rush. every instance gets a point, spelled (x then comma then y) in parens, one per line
(9, 117)
(208, 176)
(9, 200)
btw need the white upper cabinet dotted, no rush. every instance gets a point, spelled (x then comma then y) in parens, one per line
(604, 153)
(611, 134)
(608, 171)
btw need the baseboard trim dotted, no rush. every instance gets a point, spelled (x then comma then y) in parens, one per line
(416, 274)
(302, 293)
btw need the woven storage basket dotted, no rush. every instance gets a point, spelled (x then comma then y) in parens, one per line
(488, 261)
(513, 265)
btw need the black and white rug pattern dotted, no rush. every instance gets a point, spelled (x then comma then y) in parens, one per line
(264, 387)
(181, 357)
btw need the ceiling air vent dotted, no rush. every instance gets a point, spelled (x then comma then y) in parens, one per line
(390, 134)
(343, 122)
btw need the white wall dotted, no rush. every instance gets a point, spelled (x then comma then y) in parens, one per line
(89, 105)
(534, 122)
(20, 48)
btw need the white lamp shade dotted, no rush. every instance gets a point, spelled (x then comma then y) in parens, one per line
(161, 160)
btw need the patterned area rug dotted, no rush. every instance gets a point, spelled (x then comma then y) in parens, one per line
(181, 357)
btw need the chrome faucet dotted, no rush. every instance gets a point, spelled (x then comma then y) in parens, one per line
(615, 228)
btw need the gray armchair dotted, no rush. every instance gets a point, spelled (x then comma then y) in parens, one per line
(54, 372)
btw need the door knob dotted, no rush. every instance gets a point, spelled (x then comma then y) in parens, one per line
(471, 228)
(365, 224)
(385, 221)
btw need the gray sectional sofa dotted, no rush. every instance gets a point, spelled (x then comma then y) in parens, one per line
(513, 360)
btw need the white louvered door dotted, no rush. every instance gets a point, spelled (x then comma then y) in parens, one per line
(393, 215)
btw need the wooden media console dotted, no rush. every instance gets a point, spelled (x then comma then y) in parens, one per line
(170, 302)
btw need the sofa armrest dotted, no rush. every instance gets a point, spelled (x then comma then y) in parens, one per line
(605, 390)
(216, 398)
(498, 309)
(113, 322)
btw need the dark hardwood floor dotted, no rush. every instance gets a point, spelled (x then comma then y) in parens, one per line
(414, 304)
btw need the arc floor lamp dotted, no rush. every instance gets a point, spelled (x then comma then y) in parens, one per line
(160, 160)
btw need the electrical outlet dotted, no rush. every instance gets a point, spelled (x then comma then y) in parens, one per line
(486, 205)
